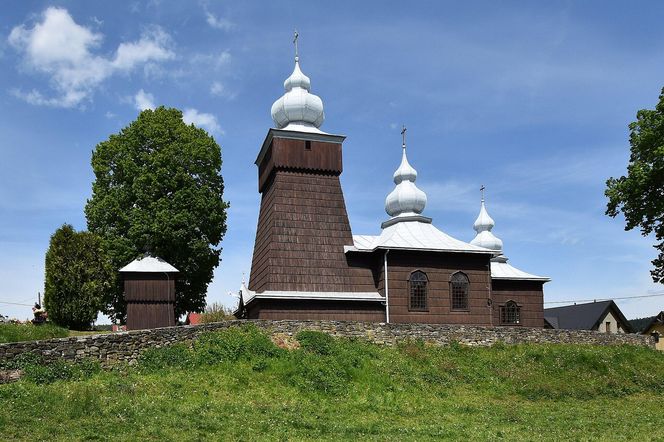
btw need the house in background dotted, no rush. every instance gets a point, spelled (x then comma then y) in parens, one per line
(603, 316)
(652, 326)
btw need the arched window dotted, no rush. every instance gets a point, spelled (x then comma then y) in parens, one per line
(417, 285)
(510, 313)
(459, 287)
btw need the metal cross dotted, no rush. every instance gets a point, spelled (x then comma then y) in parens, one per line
(482, 190)
(403, 136)
(295, 36)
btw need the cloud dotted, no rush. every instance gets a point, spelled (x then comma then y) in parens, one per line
(216, 61)
(218, 22)
(201, 119)
(63, 50)
(143, 100)
(217, 89)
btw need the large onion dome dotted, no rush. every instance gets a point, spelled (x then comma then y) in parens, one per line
(298, 107)
(406, 199)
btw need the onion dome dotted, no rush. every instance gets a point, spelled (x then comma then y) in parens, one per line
(483, 225)
(406, 199)
(298, 107)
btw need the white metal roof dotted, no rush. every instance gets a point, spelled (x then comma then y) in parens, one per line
(149, 264)
(413, 235)
(248, 295)
(500, 269)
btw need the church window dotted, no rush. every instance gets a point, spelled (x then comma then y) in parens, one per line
(510, 313)
(418, 290)
(459, 288)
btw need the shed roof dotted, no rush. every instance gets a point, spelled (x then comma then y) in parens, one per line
(584, 316)
(149, 264)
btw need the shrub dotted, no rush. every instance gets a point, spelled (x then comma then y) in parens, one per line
(233, 344)
(36, 370)
(315, 342)
(78, 278)
(216, 312)
(177, 355)
(30, 332)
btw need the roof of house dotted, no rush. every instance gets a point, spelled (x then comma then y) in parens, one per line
(149, 264)
(584, 316)
(653, 320)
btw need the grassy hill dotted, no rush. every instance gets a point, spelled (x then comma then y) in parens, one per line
(237, 385)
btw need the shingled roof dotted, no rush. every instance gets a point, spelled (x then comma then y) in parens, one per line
(584, 316)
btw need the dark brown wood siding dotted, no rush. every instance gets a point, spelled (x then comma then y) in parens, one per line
(529, 295)
(149, 287)
(303, 224)
(142, 315)
(438, 268)
(150, 300)
(277, 309)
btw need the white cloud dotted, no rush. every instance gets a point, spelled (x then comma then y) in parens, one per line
(217, 89)
(60, 48)
(218, 22)
(201, 119)
(151, 47)
(143, 100)
(216, 61)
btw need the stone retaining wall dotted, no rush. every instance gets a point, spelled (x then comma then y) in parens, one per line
(126, 346)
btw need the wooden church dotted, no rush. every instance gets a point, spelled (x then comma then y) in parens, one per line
(307, 264)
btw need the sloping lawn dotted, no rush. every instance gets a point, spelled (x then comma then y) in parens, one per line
(236, 385)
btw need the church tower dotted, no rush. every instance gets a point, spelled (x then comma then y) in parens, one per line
(303, 225)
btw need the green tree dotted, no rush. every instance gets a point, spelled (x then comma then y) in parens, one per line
(158, 189)
(640, 194)
(78, 278)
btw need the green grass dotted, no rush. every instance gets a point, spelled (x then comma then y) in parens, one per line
(29, 332)
(236, 385)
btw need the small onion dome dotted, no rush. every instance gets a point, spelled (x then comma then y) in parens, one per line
(297, 105)
(483, 225)
(406, 198)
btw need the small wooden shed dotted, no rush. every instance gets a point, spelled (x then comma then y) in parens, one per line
(149, 290)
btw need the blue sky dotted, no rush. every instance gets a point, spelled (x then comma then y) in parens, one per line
(531, 99)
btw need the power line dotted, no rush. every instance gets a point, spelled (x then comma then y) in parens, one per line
(15, 303)
(606, 299)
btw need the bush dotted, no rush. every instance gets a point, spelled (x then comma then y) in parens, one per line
(216, 312)
(36, 370)
(233, 344)
(315, 342)
(30, 332)
(230, 345)
(78, 278)
(177, 355)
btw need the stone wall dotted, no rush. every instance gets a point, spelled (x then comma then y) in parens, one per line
(126, 346)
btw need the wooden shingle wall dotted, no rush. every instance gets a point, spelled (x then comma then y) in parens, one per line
(529, 295)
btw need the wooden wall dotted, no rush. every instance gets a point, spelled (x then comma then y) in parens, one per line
(150, 300)
(529, 295)
(316, 310)
(439, 268)
(303, 224)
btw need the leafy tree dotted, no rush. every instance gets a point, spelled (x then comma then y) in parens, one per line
(158, 189)
(640, 194)
(78, 278)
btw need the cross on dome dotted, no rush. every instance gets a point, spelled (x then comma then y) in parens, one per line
(483, 225)
(406, 199)
(298, 109)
